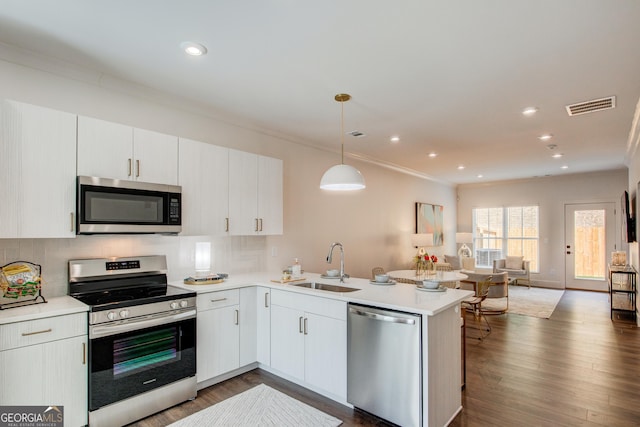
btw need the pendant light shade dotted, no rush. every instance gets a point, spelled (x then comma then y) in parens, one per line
(342, 177)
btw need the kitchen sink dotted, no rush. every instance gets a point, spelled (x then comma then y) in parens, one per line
(325, 287)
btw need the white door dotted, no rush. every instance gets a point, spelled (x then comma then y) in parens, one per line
(155, 157)
(105, 149)
(287, 341)
(243, 193)
(270, 195)
(589, 237)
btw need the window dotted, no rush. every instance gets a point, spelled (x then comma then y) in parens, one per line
(499, 232)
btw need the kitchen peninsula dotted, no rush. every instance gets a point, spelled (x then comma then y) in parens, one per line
(278, 324)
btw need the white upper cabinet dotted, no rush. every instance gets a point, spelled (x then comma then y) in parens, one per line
(204, 177)
(255, 194)
(113, 150)
(37, 172)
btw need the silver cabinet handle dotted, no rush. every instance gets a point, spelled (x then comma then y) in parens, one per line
(306, 331)
(226, 224)
(137, 168)
(218, 300)
(382, 317)
(260, 224)
(84, 353)
(129, 173)
(257, 227)
(72, 221)
(266, 299)
(26, 334)
(237, 316)
(300, 324)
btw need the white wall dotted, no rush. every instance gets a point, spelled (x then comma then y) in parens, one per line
(374, 225)
(550, 194)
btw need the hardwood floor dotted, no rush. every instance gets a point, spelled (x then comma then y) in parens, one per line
(576, 368)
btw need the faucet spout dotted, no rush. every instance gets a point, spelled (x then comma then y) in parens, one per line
(330, 258)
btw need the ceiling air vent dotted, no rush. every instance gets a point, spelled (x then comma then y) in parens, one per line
(591, 106)
(356, 133)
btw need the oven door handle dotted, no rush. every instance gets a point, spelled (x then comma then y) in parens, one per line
(98, 331)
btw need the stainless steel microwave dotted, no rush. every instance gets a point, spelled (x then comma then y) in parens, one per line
(112, 206)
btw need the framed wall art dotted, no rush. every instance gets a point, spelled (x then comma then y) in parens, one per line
(429, 219)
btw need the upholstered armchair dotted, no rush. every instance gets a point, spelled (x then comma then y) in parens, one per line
(516, 267)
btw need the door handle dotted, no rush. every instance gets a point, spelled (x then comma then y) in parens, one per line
(260, 224)
(72, 221)
(300, 324)
(266, 300)
(237, 316)
(226, 225)
(129, 174)
(568, 252)
(257, 227)
(306, 331)
(137, 168)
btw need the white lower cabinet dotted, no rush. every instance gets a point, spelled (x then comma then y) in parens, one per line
(309, 340)
(263, 325)
(44, 362)
(218, 333)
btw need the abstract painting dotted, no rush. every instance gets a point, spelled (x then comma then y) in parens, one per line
(429, 219)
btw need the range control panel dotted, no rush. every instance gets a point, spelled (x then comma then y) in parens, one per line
(122, 265)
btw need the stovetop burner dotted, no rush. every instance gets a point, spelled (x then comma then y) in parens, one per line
(112, 283)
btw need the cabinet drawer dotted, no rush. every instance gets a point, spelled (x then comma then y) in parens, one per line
(218, 299)
(310, 304)
(20, 334)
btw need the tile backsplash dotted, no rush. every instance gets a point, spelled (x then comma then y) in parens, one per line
(237, 254)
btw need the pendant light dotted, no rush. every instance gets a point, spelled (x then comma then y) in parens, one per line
(342, 177)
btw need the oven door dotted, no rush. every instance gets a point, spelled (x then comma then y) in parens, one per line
(153, 352)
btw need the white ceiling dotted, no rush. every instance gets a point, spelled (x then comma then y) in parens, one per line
(449, 76)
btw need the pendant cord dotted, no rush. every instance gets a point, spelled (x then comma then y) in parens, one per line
(342, 132)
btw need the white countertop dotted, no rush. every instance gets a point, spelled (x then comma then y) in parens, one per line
(401, 296)
(58, 306)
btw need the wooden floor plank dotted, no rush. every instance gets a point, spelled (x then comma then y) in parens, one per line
(577, 368)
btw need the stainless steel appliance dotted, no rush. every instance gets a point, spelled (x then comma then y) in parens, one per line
(384, 363)
(127, 207)
(142, 337)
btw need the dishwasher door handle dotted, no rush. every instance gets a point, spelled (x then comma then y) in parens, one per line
(383, 317)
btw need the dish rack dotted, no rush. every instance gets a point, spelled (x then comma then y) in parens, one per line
(20, 281)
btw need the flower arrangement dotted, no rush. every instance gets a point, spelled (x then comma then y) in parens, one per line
(424, 262)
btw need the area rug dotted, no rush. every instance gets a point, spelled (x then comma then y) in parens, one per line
(259, 406)
(536, 302)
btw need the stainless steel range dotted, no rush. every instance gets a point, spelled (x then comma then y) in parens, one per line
(142, 337)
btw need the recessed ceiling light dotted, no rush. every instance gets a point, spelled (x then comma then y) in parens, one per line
(432, 155)
(480, 176)
(395, 139)
(545, 137)
(564, 167)
(193, 48)
(530, 111)
(460, 167)
(557, 155)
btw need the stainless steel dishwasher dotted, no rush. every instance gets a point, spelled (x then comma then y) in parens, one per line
(384, 363)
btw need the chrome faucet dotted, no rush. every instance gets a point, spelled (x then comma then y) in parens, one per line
(330, 256)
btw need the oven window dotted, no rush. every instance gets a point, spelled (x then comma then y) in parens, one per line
(123, 208)
(145, 351)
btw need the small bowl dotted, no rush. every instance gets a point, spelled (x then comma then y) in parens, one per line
(430, 284)
(382, 278)
(333, 273)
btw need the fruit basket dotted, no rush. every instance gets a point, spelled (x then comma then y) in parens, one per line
(20, 284)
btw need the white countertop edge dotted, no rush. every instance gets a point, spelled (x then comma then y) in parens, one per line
(57, 306)
(401, 296)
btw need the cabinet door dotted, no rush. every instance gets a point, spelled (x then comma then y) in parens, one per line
(37, 172)
(52, 374)
(243, 193)
(155, 157)
(204, 177)
(105, 149)
(270, 195)
(263, 327)
(218, 338)
(287, 341)
(248, 324)
(325, 354)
